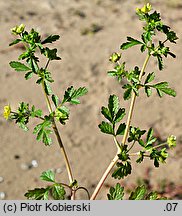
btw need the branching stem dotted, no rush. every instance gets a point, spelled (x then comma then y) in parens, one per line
(68, 167)
(115, 159)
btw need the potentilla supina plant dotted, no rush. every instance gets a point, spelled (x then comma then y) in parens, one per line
(136, 79)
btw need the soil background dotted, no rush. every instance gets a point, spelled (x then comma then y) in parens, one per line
(85, 63)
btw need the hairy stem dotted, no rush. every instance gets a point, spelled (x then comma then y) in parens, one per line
(115, 159)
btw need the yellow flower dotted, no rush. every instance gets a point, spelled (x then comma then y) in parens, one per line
(7, 112)
(18, 29)
(146, 8)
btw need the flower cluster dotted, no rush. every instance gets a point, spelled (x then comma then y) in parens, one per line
(7, 112)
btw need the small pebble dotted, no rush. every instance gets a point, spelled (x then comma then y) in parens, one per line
(2, 195)
(1, 179)
(24, 166)
(34, 163)
(59, 170)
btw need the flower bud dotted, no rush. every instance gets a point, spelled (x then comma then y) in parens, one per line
(18, 29)
(171, 141)
(115, 57)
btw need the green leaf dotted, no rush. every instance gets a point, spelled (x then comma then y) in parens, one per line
(78, 93)
(122, 170)
(152, 196)
(62, 114)
(131, 42)
(143, 48)
(148, 91)
(55, 100)
(51, 53)
(18, 66)
(15, 42)
(43, 131)
(48, 175)
(135, 134)
(150, 77)
(160, 62)
(169, 91)
(47, 88)
(119, 115)
(71, 95)
(138, 194)
(38, 113)
(163, 88)
(121, 129)
(116, 193)
(141, 142)
(127, 93)
(50, 39)
(46, 138)
(22, 126)
(40, 134)
(113, 105)
(58, 192)
(106, 128)
(171, 36)
(158, 156)
(150, 139)
(150, 134)
(38, 194)
(28, 75)
(141, 155)
(105, 111)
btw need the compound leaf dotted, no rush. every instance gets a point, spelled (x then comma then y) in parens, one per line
(113, 105)
(50, 39)
(105, 111)
(119, 115)
(47, 88)
(163, 88)
(18, 66)
(121, 129)
(131, 42)
(150, 77)
(139, 193)
(71, 95)
(123, 169)
(106, 128)
(55, 100)
(38, 194)
(116, 193)
(48, 175)
(58, 192)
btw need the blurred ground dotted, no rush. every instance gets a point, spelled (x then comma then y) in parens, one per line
(85, 63)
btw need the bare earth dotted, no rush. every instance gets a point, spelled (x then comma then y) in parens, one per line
(84, 63)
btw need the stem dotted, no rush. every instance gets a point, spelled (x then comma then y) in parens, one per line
(73, 193)
(137, 153)
(117, 144)
(131, 146)
(160, 145)
(115, 159)
(68, 167)
(102, 180)
(47, 64)
(85, 189)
